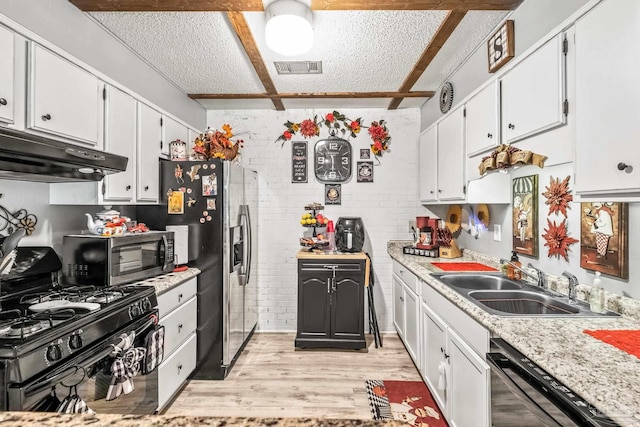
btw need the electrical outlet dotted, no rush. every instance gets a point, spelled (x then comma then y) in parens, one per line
(412, 226)
(497, 232)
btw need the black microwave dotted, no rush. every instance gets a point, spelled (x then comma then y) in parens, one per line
(115, 260)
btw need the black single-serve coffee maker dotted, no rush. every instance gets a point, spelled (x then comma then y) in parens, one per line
(349, 234)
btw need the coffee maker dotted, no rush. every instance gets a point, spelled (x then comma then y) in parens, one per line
(427, 228)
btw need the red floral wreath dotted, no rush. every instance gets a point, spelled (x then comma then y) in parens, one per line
(336, 121)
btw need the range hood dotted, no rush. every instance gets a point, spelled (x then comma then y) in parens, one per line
(29, 157)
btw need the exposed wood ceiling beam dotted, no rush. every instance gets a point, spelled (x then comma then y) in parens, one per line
(256, 5)
(442, 35)
(414, 4)
(359, 95)
(241, 28)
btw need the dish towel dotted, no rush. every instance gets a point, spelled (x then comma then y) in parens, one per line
(73, 404)
(125, 366)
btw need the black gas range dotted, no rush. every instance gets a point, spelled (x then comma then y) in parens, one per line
(55, 337)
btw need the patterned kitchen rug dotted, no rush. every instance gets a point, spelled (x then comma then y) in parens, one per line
(408, 401)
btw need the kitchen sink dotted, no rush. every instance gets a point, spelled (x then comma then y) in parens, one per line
(500, 296)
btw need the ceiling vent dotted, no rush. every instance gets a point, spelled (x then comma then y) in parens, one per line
(298, 67)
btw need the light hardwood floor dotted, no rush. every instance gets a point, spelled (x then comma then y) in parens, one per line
(273, 379)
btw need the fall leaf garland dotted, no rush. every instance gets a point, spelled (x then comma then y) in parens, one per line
(557, 239)
(558, 196)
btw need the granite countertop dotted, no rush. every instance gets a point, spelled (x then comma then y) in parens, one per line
(167, 281)
(44, 419)
(603, 375)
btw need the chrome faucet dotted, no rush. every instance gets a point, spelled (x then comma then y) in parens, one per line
(540, 277)
(573, 282)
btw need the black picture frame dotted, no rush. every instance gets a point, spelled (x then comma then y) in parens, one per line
(364, 171)
(332, 194)
(299, 157)
(365, 153)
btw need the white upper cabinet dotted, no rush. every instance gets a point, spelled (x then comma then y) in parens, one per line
(149, 151)
(482, 120)
(607, 131)
(120, 138)
(451, 165)
(173, 130)
(533, 93)
(64, 99)
(6, 75)
(429, 165)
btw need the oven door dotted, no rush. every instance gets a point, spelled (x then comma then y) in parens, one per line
(88, 376)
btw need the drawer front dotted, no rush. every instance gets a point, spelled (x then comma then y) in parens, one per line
(176, 296)
(476, 335)
(179, 324)
(406, 276)
(174, 371)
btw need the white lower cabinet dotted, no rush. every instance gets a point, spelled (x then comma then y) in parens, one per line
(178, 314)
(405, 303)
(448, 347)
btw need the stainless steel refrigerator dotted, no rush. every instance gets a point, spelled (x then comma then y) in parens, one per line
(214, 205)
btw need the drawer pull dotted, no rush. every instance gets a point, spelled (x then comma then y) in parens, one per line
(179, 368)
(46, 117)
(3, 101)
(179, 297)
(180, 328)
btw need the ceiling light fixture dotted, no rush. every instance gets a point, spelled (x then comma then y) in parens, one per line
(289, 31)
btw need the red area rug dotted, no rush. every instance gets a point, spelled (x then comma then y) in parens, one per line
(408, 401)
(625, 340)
(462, 266)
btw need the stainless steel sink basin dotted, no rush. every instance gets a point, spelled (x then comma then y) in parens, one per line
(523, 302)
(500, 296)
(479, 281)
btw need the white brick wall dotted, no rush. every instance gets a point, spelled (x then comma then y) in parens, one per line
(386, 205)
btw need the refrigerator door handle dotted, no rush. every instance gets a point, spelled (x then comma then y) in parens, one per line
(249, 236)
(245, 268)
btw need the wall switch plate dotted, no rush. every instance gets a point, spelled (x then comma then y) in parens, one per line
(497, 232)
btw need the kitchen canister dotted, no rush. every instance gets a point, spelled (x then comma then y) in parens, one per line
(178, 150)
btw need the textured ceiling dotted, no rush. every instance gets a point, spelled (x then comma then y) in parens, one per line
(361, 51)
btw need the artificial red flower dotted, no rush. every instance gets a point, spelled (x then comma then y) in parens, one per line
(355, 126)
(330, 118)
(377, 132)
(287, 135)
(308, 128)
(378, 146)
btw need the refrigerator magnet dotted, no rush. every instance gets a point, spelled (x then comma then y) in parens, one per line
(205, 166)
(178, 174)
(211, 204)
(191, 202)
(202, 220)
(209, 185)
(209, 218)
(189, 191)
(193, 172)
(176, 203)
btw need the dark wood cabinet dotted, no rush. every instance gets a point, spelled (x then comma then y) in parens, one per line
(331, 301)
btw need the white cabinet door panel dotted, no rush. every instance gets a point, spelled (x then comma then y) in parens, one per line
(533, 93)
(173, 130)
(607, 131)
(171, 299)
(120, 138)
(173, 372)
(398, 305)
(482, 121)
(451, 165)
(429, 165)
(149, 138)
(7, 53)
(65, 99)
(434, 336)
(179, 324)
(411, 324)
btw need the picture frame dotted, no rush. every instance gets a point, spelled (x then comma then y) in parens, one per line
(175, 203)
(604, 238)
(501, 46)
(365, 153)
(365, 171)
(524, 202)
(299, 169)
(332, 194)
(209, 185)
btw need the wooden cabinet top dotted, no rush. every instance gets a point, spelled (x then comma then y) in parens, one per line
(305, 254)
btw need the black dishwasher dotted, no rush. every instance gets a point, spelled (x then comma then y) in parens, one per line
(524, 395)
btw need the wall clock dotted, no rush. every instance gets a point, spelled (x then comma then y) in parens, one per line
(332, 160)
(446, 97)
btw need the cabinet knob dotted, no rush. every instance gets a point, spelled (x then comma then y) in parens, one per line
(180, 328)
(441, 350)
(431, 191)
(439, 191)
(401, 298)
(489, 135)
(512, 126)
(46, 117)
(3, 101)
(179, 368)
(625, 167)
(179, 297)
(146, 188)
(128, 187)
